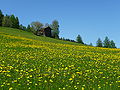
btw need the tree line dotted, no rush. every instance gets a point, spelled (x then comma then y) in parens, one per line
(107, 43)
(9, 21)
(13, 22)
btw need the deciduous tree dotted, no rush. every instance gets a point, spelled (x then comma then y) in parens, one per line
(55, 29)
(6, 22)
(36, 26)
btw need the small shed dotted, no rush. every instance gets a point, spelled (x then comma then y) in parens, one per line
(45, 32)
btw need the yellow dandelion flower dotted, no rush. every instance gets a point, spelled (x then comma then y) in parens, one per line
(70, 79)
(51, 80)
(10, 88)
(82, 88)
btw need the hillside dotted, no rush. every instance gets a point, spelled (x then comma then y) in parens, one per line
(40, 63)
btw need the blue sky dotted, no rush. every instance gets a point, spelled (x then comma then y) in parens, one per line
(92, 19)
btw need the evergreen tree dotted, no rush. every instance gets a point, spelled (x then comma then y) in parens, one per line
(99, 43)
(112, 44)
(55, 29)
(17, 23)
(1, 17)
(106, 42)
(22, 27)
(10, 21)
(79, 39)
(91, 44)
(63, 38)
(28, 28)
(13, 21)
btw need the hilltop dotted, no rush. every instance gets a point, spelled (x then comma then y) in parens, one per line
(42, 63)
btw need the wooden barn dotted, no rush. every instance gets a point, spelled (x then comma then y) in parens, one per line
(45, 32)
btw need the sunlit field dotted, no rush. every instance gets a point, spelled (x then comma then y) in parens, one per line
(40, 63)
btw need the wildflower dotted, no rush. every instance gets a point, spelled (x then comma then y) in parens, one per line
(10, 88)
(70, 79)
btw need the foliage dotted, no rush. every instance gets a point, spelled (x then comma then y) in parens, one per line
(36, 26)
(22, 27)
(112, 44)
(6, 21)
(55, 29)
(14, 22)
(41, 63)
(90, 44)
(17, 23)
(106, 42)
(10, 21)
(99, 43)
(1, 17)
(29, 28)
(67, 39)
(79, 39)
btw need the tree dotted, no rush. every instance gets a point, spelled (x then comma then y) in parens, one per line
(10, 21)
(13, 21)
(55, 29)
(1, 17)
(22, 27)
(6, 22)
(36, 26)
(28, 28)
(63, 38)
(17, 23)
(112, 44)
(90, 44)
(99, 43)
(79, 39)
(106, 42)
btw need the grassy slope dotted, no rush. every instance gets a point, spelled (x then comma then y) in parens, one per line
(31, 62)
(21, 33)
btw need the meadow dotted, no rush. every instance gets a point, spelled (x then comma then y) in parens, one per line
(40, 63)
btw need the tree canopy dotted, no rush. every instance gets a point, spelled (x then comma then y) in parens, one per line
(36, 25)
(99, 43)
(55, 29)
(1, 17)
(112, 44)
(79, 39)
(106, 42)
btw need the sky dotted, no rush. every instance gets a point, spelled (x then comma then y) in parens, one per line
(92, 19)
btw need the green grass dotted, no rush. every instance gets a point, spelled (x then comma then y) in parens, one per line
(41, 63)
(21, 33)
